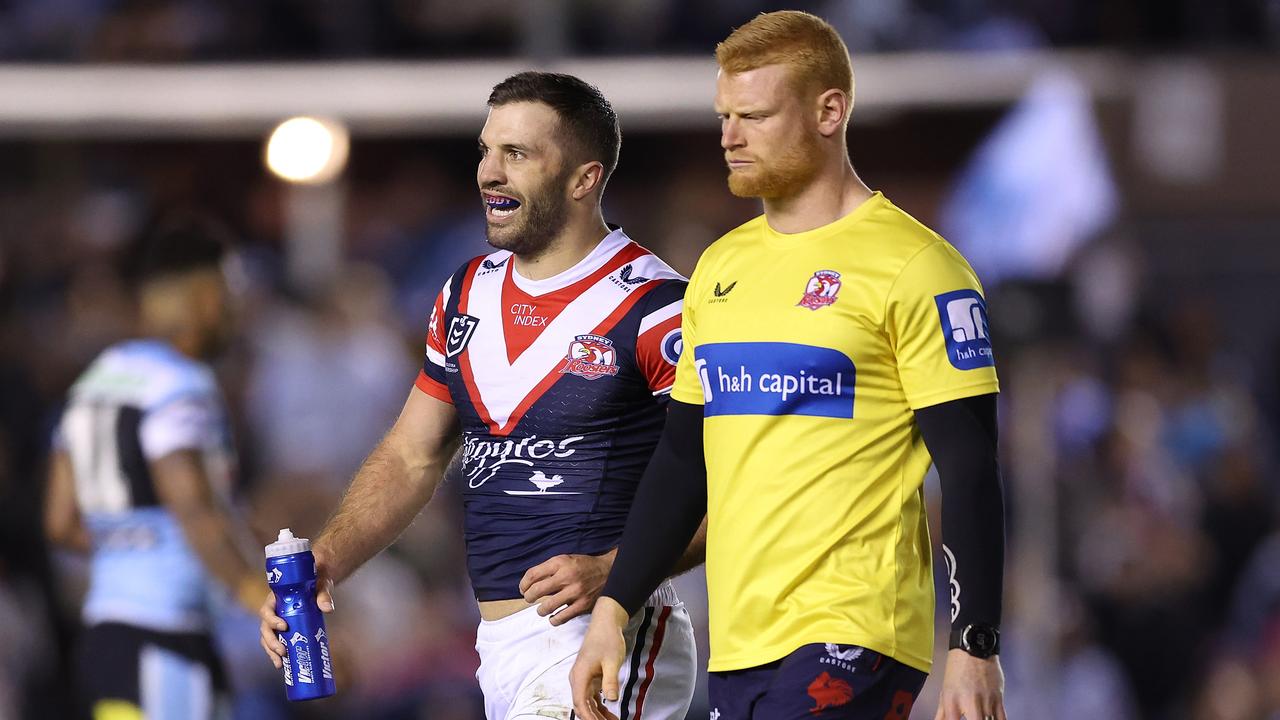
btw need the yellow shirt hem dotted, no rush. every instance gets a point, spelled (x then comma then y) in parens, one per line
(953, 393)
(765, 655)
(687, 398)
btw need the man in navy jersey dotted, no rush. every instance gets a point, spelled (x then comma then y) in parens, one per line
(554, 355)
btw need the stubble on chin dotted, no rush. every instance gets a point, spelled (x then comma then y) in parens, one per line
(507, 238)
(534, 233)
(543, 215)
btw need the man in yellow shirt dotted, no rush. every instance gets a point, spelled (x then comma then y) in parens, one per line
(834, 348)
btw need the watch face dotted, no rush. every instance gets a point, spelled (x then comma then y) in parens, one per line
(981, 640)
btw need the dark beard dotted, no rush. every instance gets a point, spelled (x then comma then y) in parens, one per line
(544, 218)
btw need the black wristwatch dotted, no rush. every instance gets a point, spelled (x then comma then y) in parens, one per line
(978, 639)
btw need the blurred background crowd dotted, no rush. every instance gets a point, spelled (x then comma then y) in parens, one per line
(195, 30)
(1127, 243)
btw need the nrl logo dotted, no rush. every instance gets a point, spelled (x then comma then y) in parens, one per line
(461, 328)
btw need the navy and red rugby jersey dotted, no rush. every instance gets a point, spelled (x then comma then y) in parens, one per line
(561, 388)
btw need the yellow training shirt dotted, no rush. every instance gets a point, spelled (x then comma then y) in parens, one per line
(809, 353)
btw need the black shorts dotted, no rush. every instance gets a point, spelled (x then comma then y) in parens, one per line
(844, 682)
(123, 671)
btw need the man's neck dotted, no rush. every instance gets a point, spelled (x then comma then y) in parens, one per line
(832, 194)
(184, 340)
(569, 248)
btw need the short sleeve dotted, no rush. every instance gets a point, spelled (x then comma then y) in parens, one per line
(936, 317)
(186, 423)
(688, 386)
(431, 380)
(659, 340)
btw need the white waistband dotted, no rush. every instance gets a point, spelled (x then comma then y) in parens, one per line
(664, 596)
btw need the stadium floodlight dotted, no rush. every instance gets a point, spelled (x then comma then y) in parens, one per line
(307, 150)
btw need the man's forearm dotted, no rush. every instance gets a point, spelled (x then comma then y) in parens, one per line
(215, 539)
(62, 522)
(207, 523)
(75, 539)
(669, 506)
(962, 436)
(384, 497)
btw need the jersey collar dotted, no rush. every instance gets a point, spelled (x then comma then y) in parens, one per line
(607, 248)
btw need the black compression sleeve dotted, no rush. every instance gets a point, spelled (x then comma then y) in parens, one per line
(962, 437)
(668, 508)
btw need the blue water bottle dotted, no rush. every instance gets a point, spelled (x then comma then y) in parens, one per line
(291, 573)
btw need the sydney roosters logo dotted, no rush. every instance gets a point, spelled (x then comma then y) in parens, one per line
(591, 357)
(821, 290)
(829, 692)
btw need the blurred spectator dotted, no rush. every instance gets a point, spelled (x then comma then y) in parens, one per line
(329, 378)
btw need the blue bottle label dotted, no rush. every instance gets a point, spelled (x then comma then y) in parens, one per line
(288, 666)
(326, 666)
(302, 653)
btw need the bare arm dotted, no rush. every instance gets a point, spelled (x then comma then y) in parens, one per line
(183, 487)
(391, 487)
(62, 524)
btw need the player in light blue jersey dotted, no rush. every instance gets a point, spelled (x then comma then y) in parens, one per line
(139, 479)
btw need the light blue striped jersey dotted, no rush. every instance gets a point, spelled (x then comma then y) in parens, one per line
(138, 401)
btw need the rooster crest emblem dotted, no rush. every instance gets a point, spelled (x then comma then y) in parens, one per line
(821, 290)
(591, 357)
(829, 692)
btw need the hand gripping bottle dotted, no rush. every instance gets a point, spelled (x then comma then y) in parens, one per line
(291, 573)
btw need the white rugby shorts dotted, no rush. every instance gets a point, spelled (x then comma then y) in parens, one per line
(525, 663)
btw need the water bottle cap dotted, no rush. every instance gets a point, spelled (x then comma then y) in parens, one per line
(287, 544)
